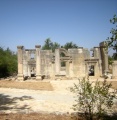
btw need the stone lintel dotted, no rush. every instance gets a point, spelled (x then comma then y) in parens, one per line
(80, 47)
(37, 46)
(20, 47)
(30, 50)
(96, 47)
(91, 59)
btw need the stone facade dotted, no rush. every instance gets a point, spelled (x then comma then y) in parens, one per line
(62, 64)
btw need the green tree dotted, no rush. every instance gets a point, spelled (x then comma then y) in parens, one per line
(55, 45)
(8, 62)
(112, 41)
(93, 99)
(110, 60)
(69, 45)
(49, 45)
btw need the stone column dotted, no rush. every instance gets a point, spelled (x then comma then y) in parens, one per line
(20, 63)
(67, 69)
(96, 70)
(96, 52)
(57, 61)
(25, 63)
(29, 74)
(106, 61)
(86, 70)
(104, 57)
(53, 70)
(28, 58)
(71, 70)
(38, 62)
(114, 70)
(97, 55)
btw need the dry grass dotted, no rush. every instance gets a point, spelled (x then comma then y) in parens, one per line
(114, 84)
(35, 116)
(26, 85)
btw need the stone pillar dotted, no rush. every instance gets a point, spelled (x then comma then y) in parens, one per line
(57, 61)
(38, 62)
(114, 70)
(67, 69)
(27, 59)
(29, 73)
(53, 70)
(25, 64)
(20, 63)
(104, 57)
(71, 69)
(96, 52)
(96, 69)
(86, 70)
(106, 62)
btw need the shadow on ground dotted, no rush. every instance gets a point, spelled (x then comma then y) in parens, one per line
(82, 116)
(8, 103)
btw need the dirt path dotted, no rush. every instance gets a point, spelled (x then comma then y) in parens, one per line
(60, 100)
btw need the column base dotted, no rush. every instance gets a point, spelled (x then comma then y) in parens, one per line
(38, 77)
(20, 77)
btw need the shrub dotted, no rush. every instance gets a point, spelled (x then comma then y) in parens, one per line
(93, 99)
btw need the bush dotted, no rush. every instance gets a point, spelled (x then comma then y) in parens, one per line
(8, 62)
(93, 99)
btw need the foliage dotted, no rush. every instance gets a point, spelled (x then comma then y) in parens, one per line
(110, 60)
(49, 45)
(70, 45)
(112, 41)
(55, 45)
(8, 62)
(93, 99)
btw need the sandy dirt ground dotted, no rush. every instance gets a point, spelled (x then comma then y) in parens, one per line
(57, 98)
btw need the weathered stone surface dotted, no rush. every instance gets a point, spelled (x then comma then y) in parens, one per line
(114, 70)
(20, 62)
(71, 63)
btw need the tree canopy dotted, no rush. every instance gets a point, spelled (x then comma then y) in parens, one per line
(8, 62)
(69, 45)
(112, 41)
(49, 45)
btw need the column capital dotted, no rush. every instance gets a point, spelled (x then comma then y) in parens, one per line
(37, 46)
(20, 47)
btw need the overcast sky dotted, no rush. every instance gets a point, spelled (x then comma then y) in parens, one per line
(30, 22)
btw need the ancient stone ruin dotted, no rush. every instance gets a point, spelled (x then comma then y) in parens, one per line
(62, 64)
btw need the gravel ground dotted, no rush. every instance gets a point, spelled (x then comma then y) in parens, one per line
(60, 100)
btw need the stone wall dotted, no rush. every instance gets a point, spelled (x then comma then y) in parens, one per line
(46, 64)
